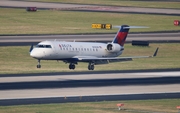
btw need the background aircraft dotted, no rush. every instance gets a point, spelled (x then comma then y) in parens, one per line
(92, 53)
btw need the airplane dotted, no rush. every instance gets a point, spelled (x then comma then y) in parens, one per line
(91, 52)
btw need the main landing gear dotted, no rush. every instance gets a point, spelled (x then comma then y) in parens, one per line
(38, 66)
(72, 66)
(91, 66)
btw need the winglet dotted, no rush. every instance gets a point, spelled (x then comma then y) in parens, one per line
(155, 53)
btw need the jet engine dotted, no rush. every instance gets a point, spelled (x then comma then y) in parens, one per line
(112, 47)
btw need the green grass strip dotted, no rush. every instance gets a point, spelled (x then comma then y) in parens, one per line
(18, 21)
(134, 106)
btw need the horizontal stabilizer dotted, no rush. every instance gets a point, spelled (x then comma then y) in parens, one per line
(130, 27)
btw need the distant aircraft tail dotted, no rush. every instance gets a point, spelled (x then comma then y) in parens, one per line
(122, 33)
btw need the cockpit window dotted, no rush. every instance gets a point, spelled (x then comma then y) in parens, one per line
(43, 46)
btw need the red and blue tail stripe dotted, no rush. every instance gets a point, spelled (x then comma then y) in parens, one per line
(121, 35)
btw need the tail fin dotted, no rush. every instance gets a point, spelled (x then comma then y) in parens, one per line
(121, 35)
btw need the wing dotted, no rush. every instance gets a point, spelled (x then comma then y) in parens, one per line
(106, 60)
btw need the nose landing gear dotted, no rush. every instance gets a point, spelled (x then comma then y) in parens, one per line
(38, 66)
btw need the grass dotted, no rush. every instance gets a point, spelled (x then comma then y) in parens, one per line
(18, 21)
(134, 106)
(134, 3)
(16, 59)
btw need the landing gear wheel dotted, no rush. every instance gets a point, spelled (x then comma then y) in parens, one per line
(69, 66)
(38, 66)
(72, 66)
(91, 67)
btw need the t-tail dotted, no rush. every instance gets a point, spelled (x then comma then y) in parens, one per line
(122, 33)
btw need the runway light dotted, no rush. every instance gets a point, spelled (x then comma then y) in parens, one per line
(120, 105)
(178, 107)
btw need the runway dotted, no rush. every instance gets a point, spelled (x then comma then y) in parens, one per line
(88, 87)
(34, 39)
(92, 8)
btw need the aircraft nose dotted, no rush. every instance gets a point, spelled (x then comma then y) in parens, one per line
(32, 54)
(35, 54)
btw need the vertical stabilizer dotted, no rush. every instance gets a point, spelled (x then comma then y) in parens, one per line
(121, 35)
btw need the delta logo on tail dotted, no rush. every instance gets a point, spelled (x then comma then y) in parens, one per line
(120, 37)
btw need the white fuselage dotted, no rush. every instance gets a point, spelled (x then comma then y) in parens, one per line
(56, 50)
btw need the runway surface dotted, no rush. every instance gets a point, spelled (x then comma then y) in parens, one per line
(88, 87)
(28, 40)
(95, 8)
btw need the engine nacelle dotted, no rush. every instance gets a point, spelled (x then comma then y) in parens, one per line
(111, 47)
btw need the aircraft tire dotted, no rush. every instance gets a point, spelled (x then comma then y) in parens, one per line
(38, 66)
(72, 66)
(91, 67)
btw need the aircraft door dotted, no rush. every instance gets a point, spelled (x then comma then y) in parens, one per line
(54, 51)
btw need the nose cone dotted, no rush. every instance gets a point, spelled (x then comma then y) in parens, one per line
(36, 54)
(32, 54)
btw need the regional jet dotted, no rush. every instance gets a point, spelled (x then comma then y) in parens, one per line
(92, 53)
